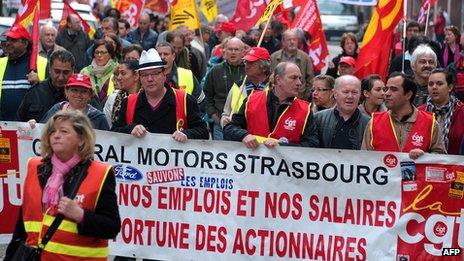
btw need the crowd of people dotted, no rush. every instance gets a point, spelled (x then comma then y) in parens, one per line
(216, 83)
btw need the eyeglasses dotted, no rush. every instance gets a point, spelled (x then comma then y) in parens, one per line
(100, 52)
(320, 90)
(153, 74)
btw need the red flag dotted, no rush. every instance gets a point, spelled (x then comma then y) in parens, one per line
(309, 20)
(35, 41)
(159, 6)
(29, 14)
(130, 9)
(67, 10)
(25, 14)
(247, 13)
(45, 8)
(378, 39)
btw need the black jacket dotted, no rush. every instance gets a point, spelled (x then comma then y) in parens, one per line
(327, 122)
(163, 119)
(236, 130)
(104, 223)
(218, 83)
(41, 98)
(38, 100)
(77, 44)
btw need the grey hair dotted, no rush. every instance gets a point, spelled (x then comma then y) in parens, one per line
(280, 69)
(265, 65)
(347, 79)
(289, 31)
(421, 50)
(47, 26)
(328, 80)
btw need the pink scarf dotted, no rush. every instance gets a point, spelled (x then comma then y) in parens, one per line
(54, 187)
(457, 55)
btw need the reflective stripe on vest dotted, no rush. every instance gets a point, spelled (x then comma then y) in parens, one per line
(236, 99)
(66, 240)
(89, 253)
(185, 80)
(384, 137)
(181, 111)
(41, 69)
(290, 125)
(110, 89)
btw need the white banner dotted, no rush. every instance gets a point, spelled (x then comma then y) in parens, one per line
(210, 200)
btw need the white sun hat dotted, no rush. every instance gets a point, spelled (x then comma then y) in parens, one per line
(150, 60)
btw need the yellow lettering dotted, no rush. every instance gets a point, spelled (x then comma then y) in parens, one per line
(436, 206)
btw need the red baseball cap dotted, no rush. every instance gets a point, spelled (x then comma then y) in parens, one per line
(348, 60)
(257, 53)
(79, 80)
(17, 31)
(227, 27)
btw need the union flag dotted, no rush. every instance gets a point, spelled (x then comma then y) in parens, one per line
(67, 10)
(374, 54)
(309, 20)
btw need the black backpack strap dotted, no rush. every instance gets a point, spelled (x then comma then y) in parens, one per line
(59, 218)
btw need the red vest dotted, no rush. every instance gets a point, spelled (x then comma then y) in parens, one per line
(181, 108)
(291, 123)
(66, 243)
(384, 137)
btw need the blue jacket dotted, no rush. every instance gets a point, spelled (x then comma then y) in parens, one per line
(148, 41)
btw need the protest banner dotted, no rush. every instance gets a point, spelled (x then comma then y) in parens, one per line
(214, 200)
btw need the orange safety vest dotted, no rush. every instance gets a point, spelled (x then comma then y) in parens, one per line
(181, 110)
(66, 243)
(384, 137)
(290, 125)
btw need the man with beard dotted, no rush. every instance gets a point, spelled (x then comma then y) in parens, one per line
(403, 128)
(423, 62)
(75, 40)
(290, 53)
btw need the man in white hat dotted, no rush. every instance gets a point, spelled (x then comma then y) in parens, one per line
(159, 108)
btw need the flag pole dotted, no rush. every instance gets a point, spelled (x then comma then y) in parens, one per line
(242, 86)
(405, 5)
(35, 41)
(427, 19)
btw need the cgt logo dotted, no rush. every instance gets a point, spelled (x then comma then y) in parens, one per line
(127, 173)
(390, 160)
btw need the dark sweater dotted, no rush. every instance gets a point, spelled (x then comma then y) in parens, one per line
(163, 118)
(218, 83)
